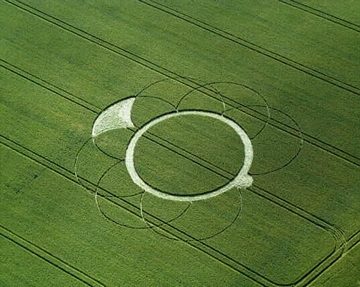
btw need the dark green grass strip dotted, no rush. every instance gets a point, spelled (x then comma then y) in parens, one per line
(49, 258)
(253, 47)
(170, 74)
(322, 14)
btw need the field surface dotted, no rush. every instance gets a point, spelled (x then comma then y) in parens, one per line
(210, 86)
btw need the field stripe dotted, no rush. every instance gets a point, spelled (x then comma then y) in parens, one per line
(353, 241)
(50, 87)
(201, 246)
(94, 39)
(231, 103)
(49, 258)
(337, 233)
(339, 237)
(253, 47)
(322, 14)
(249, 111)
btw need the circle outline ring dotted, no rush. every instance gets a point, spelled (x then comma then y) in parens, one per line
(241, 180)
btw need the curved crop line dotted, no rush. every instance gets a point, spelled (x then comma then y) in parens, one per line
(200, 87)
(120, 160)
(76, 171)
(103, 213)
(154, 83)
(158, 98)
(212, 88)
(113, 195)
(340, 238)
(104, 152)
(300, 147)
(154, 228)
(263, 126)
(266, 122)
(153, 97)
(177, 78)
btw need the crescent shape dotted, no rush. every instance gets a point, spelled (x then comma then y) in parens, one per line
(117, 116)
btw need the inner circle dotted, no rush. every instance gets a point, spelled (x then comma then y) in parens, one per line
(220, 161)
(196, 155)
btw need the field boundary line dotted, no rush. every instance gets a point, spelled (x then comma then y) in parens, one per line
(49, 258)
(353, 245)
(353, 240)
(189, 83)
(322, 14)
(337, 234)
(253, 47)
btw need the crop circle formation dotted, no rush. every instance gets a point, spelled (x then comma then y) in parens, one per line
(119, 116)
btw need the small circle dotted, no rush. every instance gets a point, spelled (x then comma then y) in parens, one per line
(241, 180)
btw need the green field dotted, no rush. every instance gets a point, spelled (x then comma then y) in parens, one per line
(286, 72)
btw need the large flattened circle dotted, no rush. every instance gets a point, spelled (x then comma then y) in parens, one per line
(241, 180)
